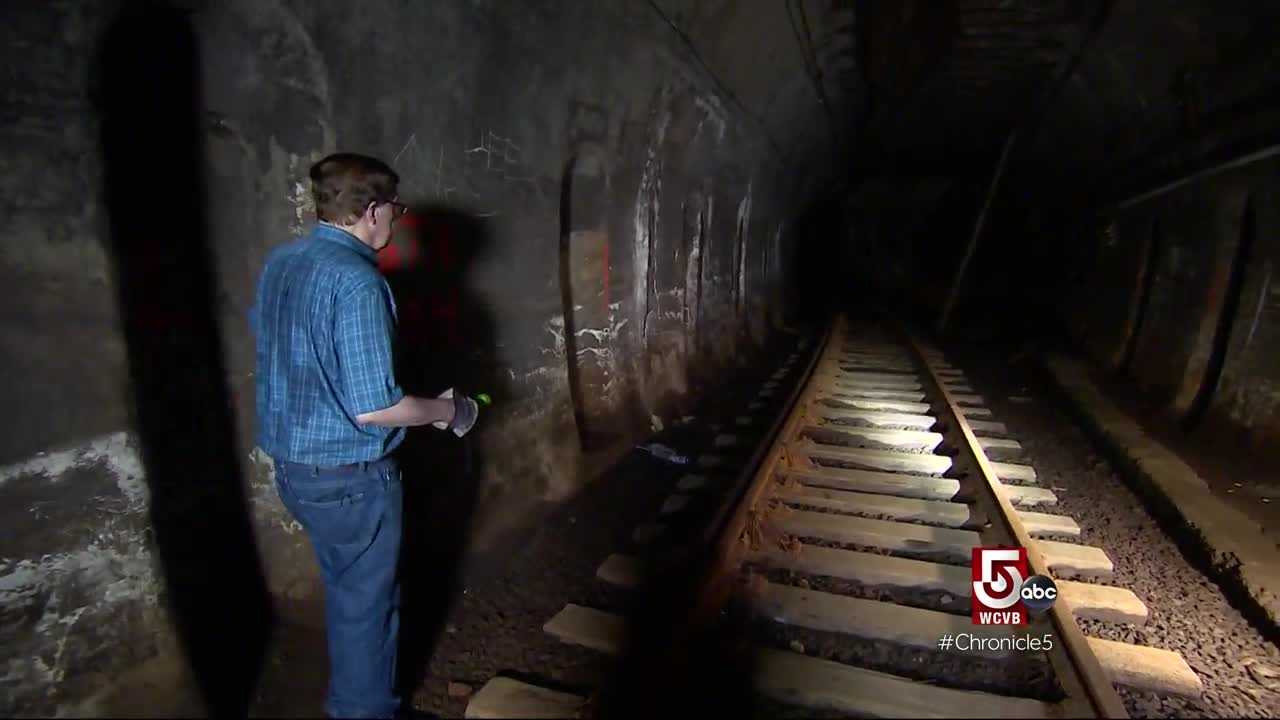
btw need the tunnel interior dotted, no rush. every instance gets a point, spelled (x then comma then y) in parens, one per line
(618, 211)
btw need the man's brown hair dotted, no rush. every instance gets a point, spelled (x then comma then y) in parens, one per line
(344, 184)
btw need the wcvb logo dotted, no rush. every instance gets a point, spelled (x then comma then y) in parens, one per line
(1002, 592)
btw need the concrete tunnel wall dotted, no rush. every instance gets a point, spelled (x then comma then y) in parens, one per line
(1154, 297)
(515, 130)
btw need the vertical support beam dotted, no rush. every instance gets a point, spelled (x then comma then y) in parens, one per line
(973, 239)
(693, 275)
(1224, 319)
(1152, 258)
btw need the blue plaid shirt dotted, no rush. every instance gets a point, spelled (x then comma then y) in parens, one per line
(324, 319)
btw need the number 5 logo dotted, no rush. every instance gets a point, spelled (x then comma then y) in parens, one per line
(998, 574)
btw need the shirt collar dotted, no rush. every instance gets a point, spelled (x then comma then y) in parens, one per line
(344, 238)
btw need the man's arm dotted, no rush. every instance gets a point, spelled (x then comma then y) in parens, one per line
(363, 335)
(410, 412)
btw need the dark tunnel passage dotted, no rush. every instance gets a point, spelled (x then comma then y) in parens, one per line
(623, 222)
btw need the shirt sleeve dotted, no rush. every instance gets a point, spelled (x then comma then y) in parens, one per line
(364, 329)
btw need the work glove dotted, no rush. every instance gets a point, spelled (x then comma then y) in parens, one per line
(465, 413)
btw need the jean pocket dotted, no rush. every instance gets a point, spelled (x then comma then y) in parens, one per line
(339, 498)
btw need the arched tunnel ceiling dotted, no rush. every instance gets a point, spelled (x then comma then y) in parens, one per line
(935, 86)
(765, 53)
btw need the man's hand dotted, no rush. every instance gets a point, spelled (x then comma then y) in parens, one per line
(465, 413)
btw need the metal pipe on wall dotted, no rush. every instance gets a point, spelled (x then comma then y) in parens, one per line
(1200, 174)
(973, 239)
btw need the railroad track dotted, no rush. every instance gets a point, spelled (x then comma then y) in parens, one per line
(848, 542)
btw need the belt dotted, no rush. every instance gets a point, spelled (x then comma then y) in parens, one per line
(362, 466)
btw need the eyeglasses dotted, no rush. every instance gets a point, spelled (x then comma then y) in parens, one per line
(398, 209)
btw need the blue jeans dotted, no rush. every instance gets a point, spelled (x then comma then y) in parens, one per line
(354, 517)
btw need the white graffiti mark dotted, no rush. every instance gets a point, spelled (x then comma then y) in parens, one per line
(411, 142)
(301, 198)
(740, 252)
(491, 145)
(555, 326)
(605, 334)
(413, 161)
(602, 346)
(433, 172)
(710, 280)
(535, 374)
(441, 189)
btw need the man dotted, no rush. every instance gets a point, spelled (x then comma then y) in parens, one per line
(330, 413)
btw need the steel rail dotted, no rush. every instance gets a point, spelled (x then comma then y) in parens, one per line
(1102, 696)
(724, 533)
(725, 541)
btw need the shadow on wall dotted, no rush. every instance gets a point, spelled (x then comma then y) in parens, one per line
(446, 339)
(158, 245)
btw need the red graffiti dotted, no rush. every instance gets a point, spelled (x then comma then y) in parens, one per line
(421, 265)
